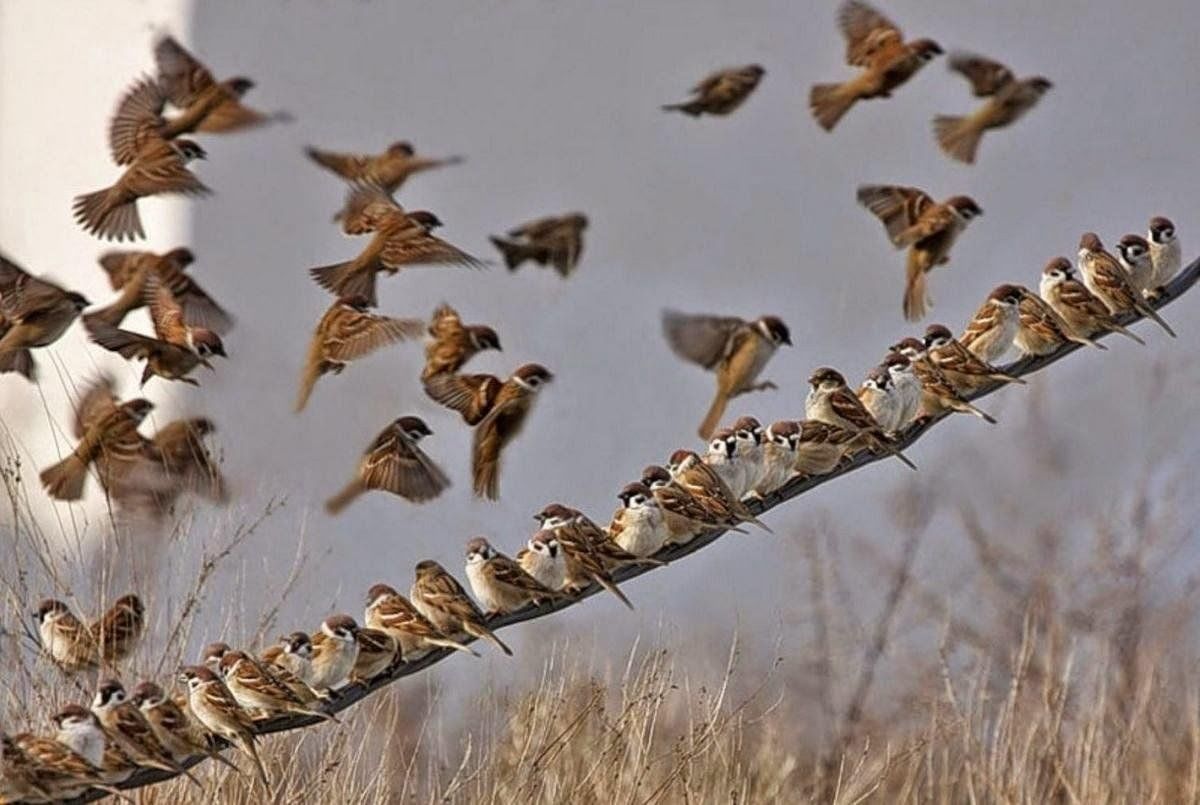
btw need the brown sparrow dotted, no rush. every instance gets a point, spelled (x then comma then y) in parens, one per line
(555, 240)
(292, 651)
(77, 730)
(639, 527)
(1042, 331)
(126, 727)
(174, 728)
(389, 611)
(503, 422)
(64, 638)
(684, 514)
(395, 463)
(720, 93)
(887, 62)
(926, 228)
(59, 772)
(1133, 251)
(256, 688)
(1165, 251)
(127, 272)
(1105, 277)
(821, 447)
(749, 436)
(334, 653)
(398, 239)
(582, 561)
(959, 365)
(218, 712)
(378, 652)
(454, 343)
(179, 446)
(737, 350)
(119, 630)
(472, 396)
(388, 170)
(905, 388)
(710, 491)
(573, 526)
(347, 332)
(991, 331)
(499, 583)
(21, 778)
(779, 456)
(1085, 314)
(938, 393)
(544, 560)
(882, 400)
(33, 313)
(1008, 100)
(831, 401)
(439, 597)
(207, 105)
(720, 456)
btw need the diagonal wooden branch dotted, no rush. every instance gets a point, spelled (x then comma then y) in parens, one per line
(350, 695)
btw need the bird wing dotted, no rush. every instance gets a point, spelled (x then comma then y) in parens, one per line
(366, 207)
(987, 77)
(348, 166)
(125, 343)
(180, 75)
(898, 207)
(121, 266)
(165, 312)
(137, 119)
(700, 338)
(867, 32)
(395, 464)
(97, 402)
(470, 395)
(445, 322)
(357, 333)
(231, 115)
(422, 248)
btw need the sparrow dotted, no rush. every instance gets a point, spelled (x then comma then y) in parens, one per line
(959, 365)
(574, 527)
(1041, 330)
(472, 396)
(334, 653)
(439, 597)
(555, 240)
(721, 93)
(256, 688)
(378, 652)
(57, 772)
(346, 332)
(639, 527)
(499, 583)
(218, 712)
(127, 273)
(1083, 312)
(543, 559)
(415, 635)
(206, 105)
(831, 401)
(78, 731)
(387, 170)
(503, 422)
(882, 400)
(887, 62)
(821, 447)
(453, 343)
(1105, 277)
(1009, 98)
(906, 387)
(1165, 251)
(709, 490)
(159, 167)
(34, 312)
(582, 561)
(1134, 253)
(179, 447)
(991, 331)
(395, 463)
(398, 239)
(684, 514)
(279, 662)
(779, 456)
(176, 348)
(720, 456)
(65, 639)
(737, 350)
(174, 728)
(21, 778)
(749, 435)
(118, 631)
(126, 727)
(928, 230)
(938, 393)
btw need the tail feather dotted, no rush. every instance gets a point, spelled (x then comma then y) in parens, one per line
(446, 642)
(344, 498)
(967, 408)
(247, 745)
(484, 633)
(514, 253)
(108, 215)
(308, 381)
(1152, 313)
(713, 417)
(958, 137)
(1125, 331)
(611, 586)
(829, 102)
(915, 288)
(486, 477)
(690, 108)
(346, 279)
(64, 480)
(21, 362)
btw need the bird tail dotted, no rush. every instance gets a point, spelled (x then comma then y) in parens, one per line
(514, 253)
(1152, 313)
(485, 633)
(312, 371)
(325, 160)
(64, 480)
(958, 137)
(1125, 331)
(611, 586)
(915, 289)
(344, 498)
(713, 417)
(107, 214)
(1007, 378)
(828, 102)
(486, 476)
(885, 444)
(20, 361)
(247, 745)
(446, 642)
(691, 108)
(346, 279)
(962, 406)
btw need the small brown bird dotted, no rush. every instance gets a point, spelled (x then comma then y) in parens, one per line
(960, 366)
(215, 708)
(453, 343)
(544, 560)
(927, 229)
(439, 597)
(887, 62)
(334, 653)
(388, 170)
(1104, 276)
(938, 393)
(207, 105)
(21, 778)
(736, 349)
(128, 729)
(574, 526)
(583, 563)
(472, 396)
(118, 631)
(127, 272)
(346, 332)
(378, 652)
(255, 687)
(499, 583)
(684, 515)
(830, 400)
(79, 729)
(64, 637)
(175, 730)
(1166, 253)
(1083, 312)
(280, 663)
(1041, 330)
(179, 446)
(991, 331)
(503, 423)
(706, 486)
(394, 463)
(398, 239)
(58, 769)
(1009, 98)
(821, 446)
(554, 240)
(639, 526)
(721, 92)
(389, 611)
(33, 313)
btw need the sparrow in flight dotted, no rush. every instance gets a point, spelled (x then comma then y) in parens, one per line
(1009, 98)
(453, 343)
(503, 422)
(555, 241)
(179, 446)
(721, 93)
(127, 273)
(33, 313)
(206, 105)
(387, 170)
(737, 350)
(395, 463)
(914, 221)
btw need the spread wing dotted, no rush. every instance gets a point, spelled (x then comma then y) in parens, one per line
(866, 31)
(366, 207)
(181, 76)
(348, 166)
(199, 309)
(498, 428)
(537, 229)
(121, 266)
(445, 322)
(97, 402)
(21, 294)
(356, 333)
(471, 395)
(699, 338)
(987, 77)
(137, 119)
(898, 207)
(123, 342)
(422, 248)
(233, 115)
(166, 313)
(395, 464)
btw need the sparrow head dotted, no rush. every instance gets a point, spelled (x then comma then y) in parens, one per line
(197, 676)
(1059, 269)
(532, 376)
(213, 654)
(181, 257)
(827, 379)
(911, 348)
(484, 337)
(774, 330)
(937, 335)
(723, 443)
(77, 300)
(555, 515)
(50, 609)
(426, 219)
(1162, 231)
(109, 694)
(897, 365)
(132, 604)
(413, 427)
(187, 150)
(340, 627)
(878, 378)
(228, 661)
(357, 301)
(544, 543)
(784, 433)
(1040, 84)
(148, 694)
(636, 495)
(72, 717)
(1090, 242)
(577, 220)
(927, 49)
(427, 568)
(378, 591)
(297, 643)
(138, 409)
(682, 460)
(1133, 249)
(202, 426)
(1007, 295)
(401, 147)
(479, 550)
(964, 207)
(240, 85)
(656, 477)
(206, 342)
(748, 428)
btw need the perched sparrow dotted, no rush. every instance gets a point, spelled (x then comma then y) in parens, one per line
(334, 653)
(1008, 100)
(175, 730)
(215, 708)
(960, 366)
(179, 446)
(21, 777)
(33, 313)
(906, 388)
(346, 333)
(207, 105)
(439, 597)
(737, 350)
(640, 525)
(59, 773)
(1083, 312)
(454, 343)
(926, 228)
(398, 239)
(64, 637)
(126, 727)
(378, 652)
(882, 401)
(83, 750)
(159, 167)
(875, 44)
(779, 457)
(1165, 251)
(544, 560)
(499, 583)
(394, 463)
(511, 407)
(685, 515)
(79, 730)
(709, 490)
(118, 631)
(213, 654)
(1105, 277)
(720, 93)
(821, 446)
(720, 456)
(297, 654)
(390, 612)
(831, 401)
(387, 170)
(991, 331)
(748, 434)
(1042, 330)
(938, 393)
(128, 271)
(582, 560)
(555, 240)
(1134, 253)
(255, 687)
